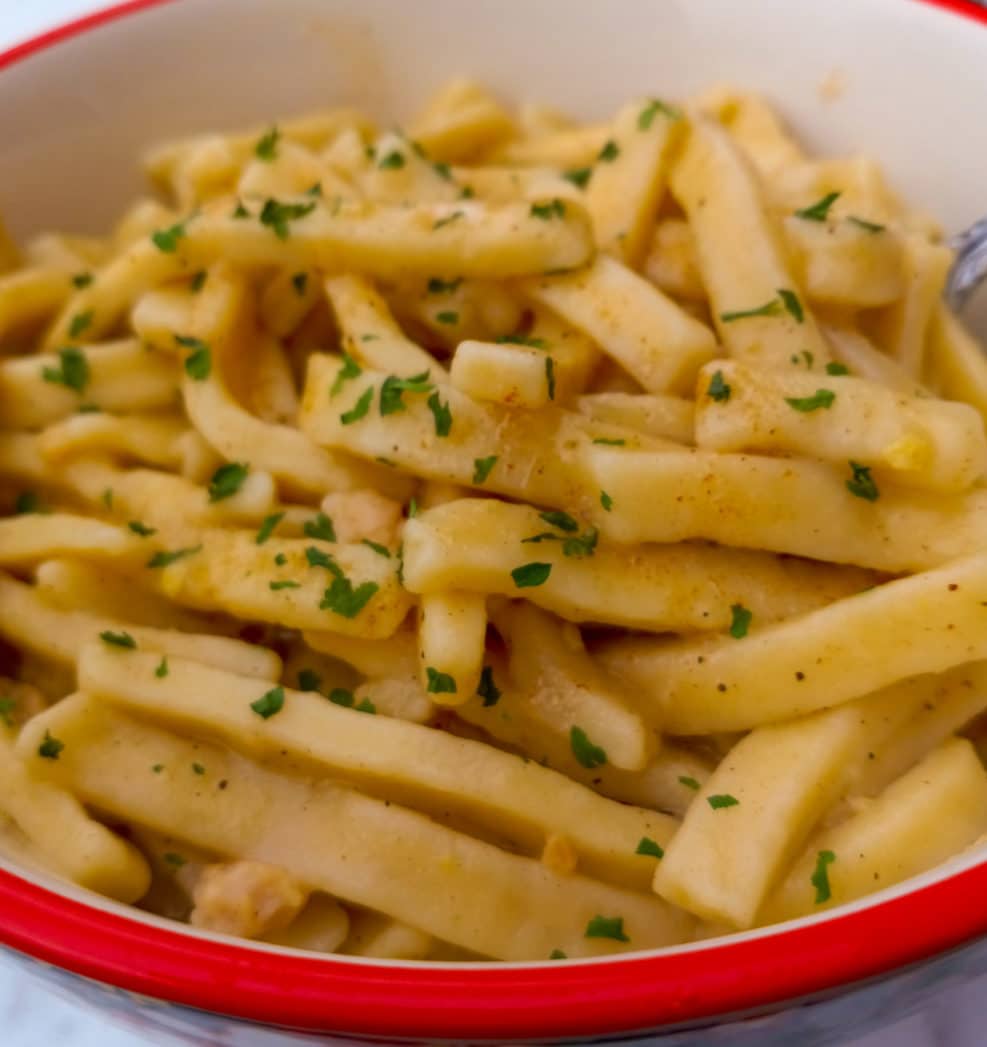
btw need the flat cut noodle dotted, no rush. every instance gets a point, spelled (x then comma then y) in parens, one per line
(790, 505)
(476, 544)
(29, 538)
(929, 622)
(150, 440)
(461, 890)
(423, 768)
(27, 620)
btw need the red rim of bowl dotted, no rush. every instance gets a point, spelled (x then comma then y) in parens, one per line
(573, 999)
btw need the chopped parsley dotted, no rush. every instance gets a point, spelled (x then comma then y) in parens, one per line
(557, 954)
(50, 747)
(436, 285)
(521, 339)
(267, 526)
(350, 369)
(240, 211)
(553, 209)
(341, 598)
(583, 545)
(278, 215)
(157, 768)
(165, 559)
(837, 369)
(380, 550)
(650, 848)
(314, 190)
(162, 670)
(283, 583)
(393, 161)
(300, 282)
(609, 152)
(121, 639)
(227, 480)
(27, 502)
(198, 281)
(557, 518)
(166, 240)
(606, 501)
(579, 176)
(359, 409)
(439, 683)
(198, 364)
(689, 782)
(197, 768)
(392, 391)
(719, 390)
(487, 688)
(317, 558)
(107, 498)
(586, 753)
(412, 509)
(821, 399)
(448, 317)
(72, 370)
(79, 323)
(720, 800)
(647, 115)
(482, 467)
(269, 703)
(740, 622)
(606, 927)
(81, 280)
(448, 220)
(341, 696)
(280, 559)
(172, 858)
(321, 528)
(861, 484)
(819, 211)
(7, 706)
(868, 227)
(366, 706)
(267, 145)
(772, 308)
(820, 876)
(550, 376)
(528, 575)
(792, 304)
(441, 414)
(309, 680)
(607, 442)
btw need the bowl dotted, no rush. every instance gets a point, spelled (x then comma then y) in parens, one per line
(78, 104)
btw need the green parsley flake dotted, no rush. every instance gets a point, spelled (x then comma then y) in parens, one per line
(609, 152)
(314, 190)
(448, 220)
(341, 598)
(436, 285)
(792, 305)
(528, 575)
(317, 558)
(579, 176)
(718, 390)
(278, 215)
(267, 527)
(50, 747)
(165, 559)
(606, 501)
(162, 670)
(158, 768)
(81, 280)
(647, 115)
(366, 706)
(141, 529)
(280, 559)
(321, 528)
(488, 689)
(359, 409)
(7, 706)
(482, 467)
(820, 876)
(227, 480)
(166, 240)
(443, 170)
(309, 680)
(448, 317)
(720, 800)
(72, 371)
(174, 859)
(606, 927)
(868, 227)
(121, 639)
(439, 683)
(300, 282)
(267, 145)
(198, 769)
(441, 414)
(605, 441)
(557, 518)
(522, 339)
(861, 484)
(392, 391)
(822, 399)
(198, 281)
(836, 369)
(553, 209)
(557, 954)
(27, 502)
(412, 508)
(819, 211)
(393, 161)
(650, 848)
(586, 753)
(689, 782)
(107, 498)
(240, 211)
(340, 696)
(584, 545)
(269, 703)
(380, 550)
(284, 583)
(198, 364)
(740, 622)
(350, 369)
(550, 376)
(772, 308)
(79, 323)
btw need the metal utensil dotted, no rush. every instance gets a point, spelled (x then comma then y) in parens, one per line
(970, 268)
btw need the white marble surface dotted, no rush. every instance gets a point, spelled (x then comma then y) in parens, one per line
(32, 1016)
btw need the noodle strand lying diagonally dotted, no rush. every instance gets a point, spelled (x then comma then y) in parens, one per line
(507, 539)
